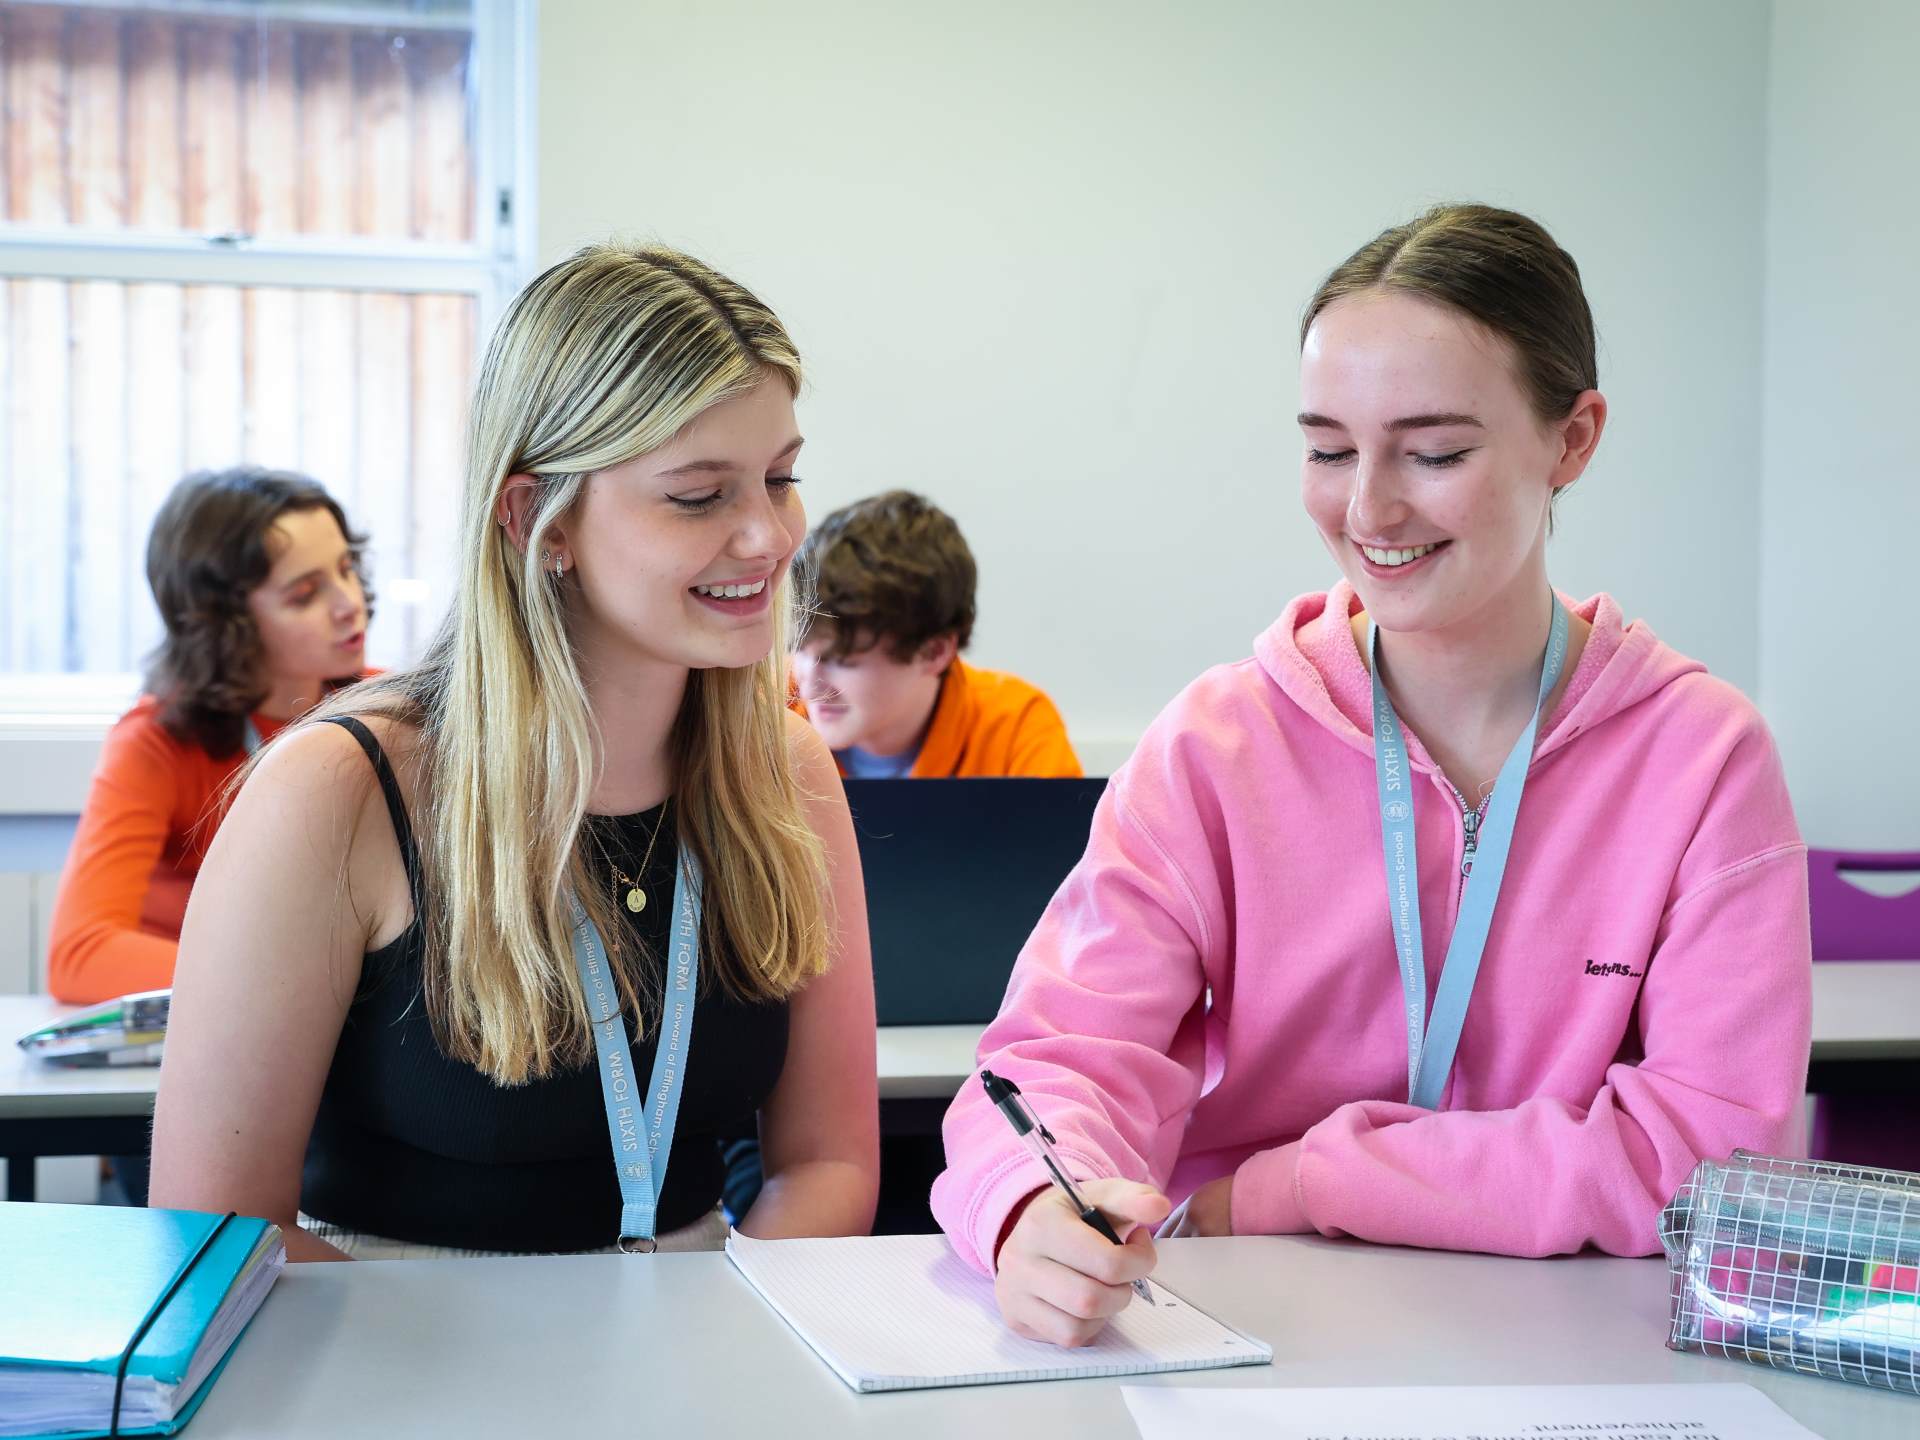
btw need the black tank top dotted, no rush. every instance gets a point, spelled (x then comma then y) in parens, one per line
(410, 1144)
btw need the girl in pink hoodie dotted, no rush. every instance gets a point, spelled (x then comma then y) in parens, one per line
(1226, 1007)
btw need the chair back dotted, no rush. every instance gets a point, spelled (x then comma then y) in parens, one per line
(1853, 924)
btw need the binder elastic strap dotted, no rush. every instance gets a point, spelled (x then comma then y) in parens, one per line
(179, 1279)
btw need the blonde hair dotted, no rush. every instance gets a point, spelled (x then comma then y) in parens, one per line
(605, 357)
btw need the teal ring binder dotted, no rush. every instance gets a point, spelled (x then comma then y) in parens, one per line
(139, 1334)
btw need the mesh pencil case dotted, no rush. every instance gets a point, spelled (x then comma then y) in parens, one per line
(1799, 1264)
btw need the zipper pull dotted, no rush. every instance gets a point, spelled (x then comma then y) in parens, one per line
(1470, 825)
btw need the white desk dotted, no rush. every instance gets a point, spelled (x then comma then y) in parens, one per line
(916, 1062)
(1866, 1010)
(1863, 1010)
(1865, 1014)
(59, 1110)
(925, 1062)
(33, 1089)
(679, 1345)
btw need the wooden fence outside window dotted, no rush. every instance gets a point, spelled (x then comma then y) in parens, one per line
(162, 120)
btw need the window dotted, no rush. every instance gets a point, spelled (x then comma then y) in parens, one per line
(241, 230)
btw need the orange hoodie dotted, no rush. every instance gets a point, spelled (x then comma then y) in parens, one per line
(151, 813)
(988, 723)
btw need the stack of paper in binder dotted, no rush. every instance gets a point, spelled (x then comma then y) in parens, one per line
(118, 1320)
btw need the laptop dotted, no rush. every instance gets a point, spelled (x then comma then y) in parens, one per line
(957, 874)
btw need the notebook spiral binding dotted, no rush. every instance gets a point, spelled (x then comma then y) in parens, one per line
(1803, 1265)
(153, 1314)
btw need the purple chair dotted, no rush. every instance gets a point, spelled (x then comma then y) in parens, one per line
(1851, 924)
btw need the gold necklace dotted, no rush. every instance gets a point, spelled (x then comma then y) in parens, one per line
(637, 897)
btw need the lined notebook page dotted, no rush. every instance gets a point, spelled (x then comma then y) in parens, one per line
(903, 1312)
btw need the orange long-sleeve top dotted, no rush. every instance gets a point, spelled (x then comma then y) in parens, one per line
(988, 723)
(151, 813)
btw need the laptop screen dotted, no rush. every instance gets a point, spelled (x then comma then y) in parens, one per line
(957, 875)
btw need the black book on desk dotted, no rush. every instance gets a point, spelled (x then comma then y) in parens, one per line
(957, 875)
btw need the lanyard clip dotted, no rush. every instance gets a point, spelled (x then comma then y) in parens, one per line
(638, 1245)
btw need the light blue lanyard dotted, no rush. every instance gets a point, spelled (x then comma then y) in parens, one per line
(250, 737)
(1431, 1043)
(643, 1175)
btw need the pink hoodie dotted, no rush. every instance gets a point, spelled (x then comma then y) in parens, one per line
(1644, 1000)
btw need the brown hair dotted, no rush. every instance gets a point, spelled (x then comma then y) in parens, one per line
(1497, 266)
(892, 568)
(207, 552)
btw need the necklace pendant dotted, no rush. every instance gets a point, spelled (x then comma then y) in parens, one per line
(636, 899)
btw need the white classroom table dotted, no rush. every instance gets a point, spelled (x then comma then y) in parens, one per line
(1862, 1010)
(916, 1062)
(679, 1345)
(1866, 1010)
(1865, 1013)
(59, 1110)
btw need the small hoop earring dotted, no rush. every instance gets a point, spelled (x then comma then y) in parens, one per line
(546, 558)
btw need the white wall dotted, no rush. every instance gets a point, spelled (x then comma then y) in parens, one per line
(1841, 478)
(1046, 262)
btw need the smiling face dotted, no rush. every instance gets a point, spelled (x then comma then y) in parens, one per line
(1427, 471)
(310, 611)
(678, 553)
(871, 698)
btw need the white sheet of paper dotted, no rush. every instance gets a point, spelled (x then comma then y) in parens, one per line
(1451, 1412)
(903, 1312)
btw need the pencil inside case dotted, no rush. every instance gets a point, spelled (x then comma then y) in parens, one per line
(1798, 1264)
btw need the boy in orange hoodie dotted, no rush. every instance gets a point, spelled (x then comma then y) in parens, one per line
(879, 673)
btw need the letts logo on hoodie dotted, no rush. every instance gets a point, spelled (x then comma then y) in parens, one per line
(1614, 967)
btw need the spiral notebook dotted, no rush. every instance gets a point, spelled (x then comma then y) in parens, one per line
(903, 1312)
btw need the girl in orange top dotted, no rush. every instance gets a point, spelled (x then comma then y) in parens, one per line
(257, 576)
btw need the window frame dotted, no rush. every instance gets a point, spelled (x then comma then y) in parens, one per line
(44, 716)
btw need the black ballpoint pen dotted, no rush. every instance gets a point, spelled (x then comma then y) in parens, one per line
(1006, 1096)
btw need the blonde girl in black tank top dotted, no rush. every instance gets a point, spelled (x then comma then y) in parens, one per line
(375, 984)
